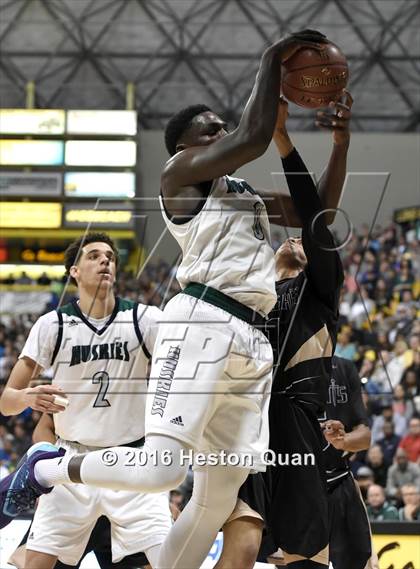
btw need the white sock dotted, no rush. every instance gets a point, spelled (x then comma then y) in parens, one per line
(52, 471)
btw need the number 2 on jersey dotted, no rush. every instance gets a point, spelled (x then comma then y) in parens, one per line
(101, 377)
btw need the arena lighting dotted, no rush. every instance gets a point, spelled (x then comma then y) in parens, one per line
(32, 121)
(102, 122)
(112, 216)
(33, 271)
(34, 215)
(98, 216)
(99, 184)
(31, 152)
(100, 153)
(39, 184)
(42, 255)
(407, 214)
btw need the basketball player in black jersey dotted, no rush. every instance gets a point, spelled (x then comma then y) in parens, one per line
(346, 431)
(302, 330)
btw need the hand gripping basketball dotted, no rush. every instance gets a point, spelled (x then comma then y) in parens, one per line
(312, 76)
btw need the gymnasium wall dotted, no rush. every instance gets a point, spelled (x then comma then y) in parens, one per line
(396, 154)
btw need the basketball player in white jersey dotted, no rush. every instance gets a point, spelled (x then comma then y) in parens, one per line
(99, 348)
(211, 368)
(100, 539)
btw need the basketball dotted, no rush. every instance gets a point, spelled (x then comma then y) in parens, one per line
(312, 78)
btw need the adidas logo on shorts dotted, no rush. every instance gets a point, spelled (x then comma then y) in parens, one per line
(177, 421)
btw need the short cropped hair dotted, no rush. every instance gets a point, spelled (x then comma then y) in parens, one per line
(74, 251)
(179, 123)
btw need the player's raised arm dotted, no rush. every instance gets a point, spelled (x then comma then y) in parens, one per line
(323, 262)
(337, 121)
(280, 208)
(208, 152)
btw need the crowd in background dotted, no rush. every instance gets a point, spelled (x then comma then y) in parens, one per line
(379, 330)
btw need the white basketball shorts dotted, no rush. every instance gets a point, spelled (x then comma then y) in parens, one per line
(210, 382)
(65, 518)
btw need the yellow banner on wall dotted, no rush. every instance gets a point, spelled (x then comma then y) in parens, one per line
(397, 551)
(30, 214)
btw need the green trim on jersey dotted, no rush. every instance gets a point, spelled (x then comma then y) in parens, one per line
(68, 309)
(121, 305)
(225, 302)
(124, 305)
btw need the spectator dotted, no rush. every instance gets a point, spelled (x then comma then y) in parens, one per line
(413, 347)
(367, 373)
(361, 309)
(345, 349)
(375, 461)
(4, 471)
(364, 479)
(24, 279)
(9, 280)
(405, 278)
(387, 414)
(396, 366)
(411, 382)
(402, 404)
(380, 375)
(400, 473)
(411, 442)
(411, 499)
(43, 279)
(378, 508)
(176, 500)
(22, 440)
(389, 443)
(381, 295)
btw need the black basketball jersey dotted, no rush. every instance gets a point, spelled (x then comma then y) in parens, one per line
(344, 404)
(302, 327)
(302, 331)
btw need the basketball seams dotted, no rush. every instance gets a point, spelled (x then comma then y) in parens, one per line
(342, 66)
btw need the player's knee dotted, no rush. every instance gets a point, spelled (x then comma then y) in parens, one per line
(38, 560)
(247, 556)
(238, 554)
(241, 543)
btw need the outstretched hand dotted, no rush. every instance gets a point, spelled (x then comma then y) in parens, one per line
(338, 118)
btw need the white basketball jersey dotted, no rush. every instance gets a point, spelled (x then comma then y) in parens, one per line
(102, 371)
(227, 245)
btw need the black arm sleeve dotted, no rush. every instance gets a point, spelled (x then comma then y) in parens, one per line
(324, 268)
